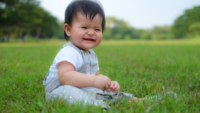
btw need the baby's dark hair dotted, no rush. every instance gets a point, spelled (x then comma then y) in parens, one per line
(90, 8)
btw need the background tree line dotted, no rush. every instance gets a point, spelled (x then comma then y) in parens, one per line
(185, 26)
(22, 18)
(25, 18)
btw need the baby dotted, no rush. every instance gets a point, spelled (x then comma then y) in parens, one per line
(74, 74)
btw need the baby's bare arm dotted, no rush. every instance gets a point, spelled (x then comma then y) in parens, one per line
(68, 76)
(97, 73)
(114, 87)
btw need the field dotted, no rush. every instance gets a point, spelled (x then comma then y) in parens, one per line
(141, 67)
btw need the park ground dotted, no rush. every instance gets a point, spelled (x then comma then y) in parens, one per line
(141, 68)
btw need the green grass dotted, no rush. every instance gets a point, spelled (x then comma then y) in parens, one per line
(140, 68)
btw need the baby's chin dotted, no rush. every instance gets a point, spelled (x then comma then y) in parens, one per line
(87, 47)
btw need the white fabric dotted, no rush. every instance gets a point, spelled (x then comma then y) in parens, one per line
(69, 54)
(65, 54)
(73, 94)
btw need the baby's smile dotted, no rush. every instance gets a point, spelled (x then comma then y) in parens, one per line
(89, 39)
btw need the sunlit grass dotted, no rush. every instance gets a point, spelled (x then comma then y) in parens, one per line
(58, 42)
(151, 42)
(141, 68)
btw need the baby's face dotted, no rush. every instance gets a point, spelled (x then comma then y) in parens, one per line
(86, 33)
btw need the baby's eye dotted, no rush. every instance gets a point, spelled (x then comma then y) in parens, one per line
(84, 27)
(97, 29)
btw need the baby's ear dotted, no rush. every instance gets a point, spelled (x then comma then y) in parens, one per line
(67, 29)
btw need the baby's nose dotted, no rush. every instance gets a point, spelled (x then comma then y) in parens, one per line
(90, 32)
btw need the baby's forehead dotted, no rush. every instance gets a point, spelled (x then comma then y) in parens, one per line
(87, 16)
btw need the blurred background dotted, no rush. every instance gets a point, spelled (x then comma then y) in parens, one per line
(34, 20)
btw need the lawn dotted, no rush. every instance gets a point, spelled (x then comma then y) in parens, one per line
(141, 67)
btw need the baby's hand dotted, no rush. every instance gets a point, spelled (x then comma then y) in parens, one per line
(114, 87)
(102, 82)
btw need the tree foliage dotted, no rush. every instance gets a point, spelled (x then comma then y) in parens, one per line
(25, 17)
(20, 18)
(119, 29)
(188, 23)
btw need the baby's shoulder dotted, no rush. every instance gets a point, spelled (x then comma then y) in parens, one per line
(92, 52)
(69, 46)
(69, 50)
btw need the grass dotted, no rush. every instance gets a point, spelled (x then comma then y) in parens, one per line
(141, 68)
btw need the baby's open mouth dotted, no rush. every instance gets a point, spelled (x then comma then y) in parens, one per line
(88, 39)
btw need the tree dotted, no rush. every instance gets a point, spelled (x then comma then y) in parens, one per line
(161, 32)
(194, 29)
(119, 29)
(146, 35)
(185, 24)
(127, 37)
(25, 17)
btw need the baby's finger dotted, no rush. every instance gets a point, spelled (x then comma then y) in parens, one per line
(115, 85)
(118, 88)
(111, 85)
